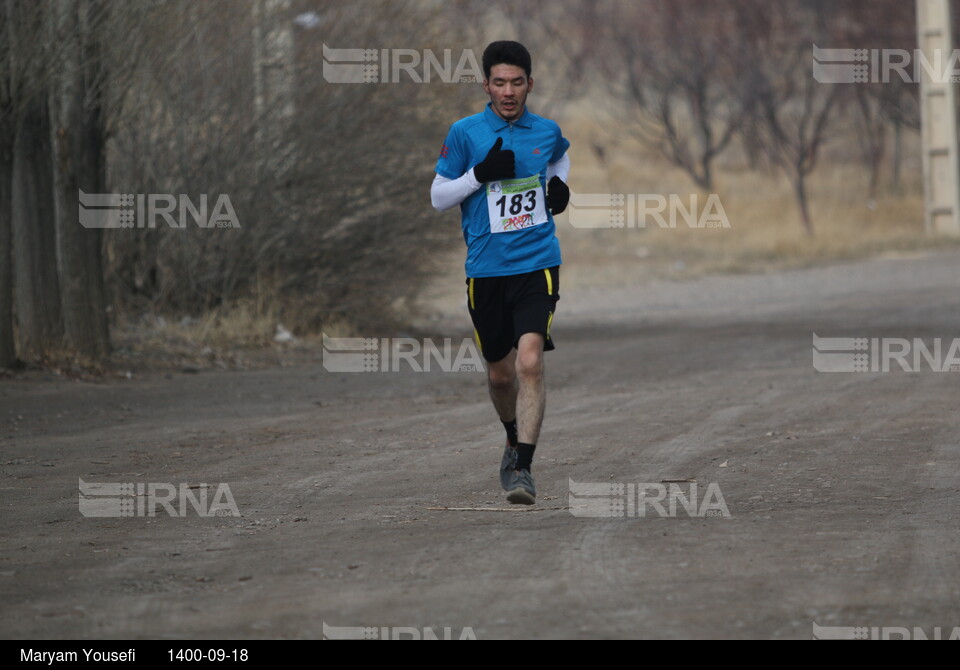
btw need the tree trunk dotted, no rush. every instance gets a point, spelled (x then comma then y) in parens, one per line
(37, 290)
(878, 148)
(7, 127)
(78, 164)
(705, 182)
(897, 156)
(7, 350)
(93, 171)
(274, 88)
(800, 191)
(874, 182)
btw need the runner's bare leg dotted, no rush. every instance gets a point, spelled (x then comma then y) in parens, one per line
(502, 382)
(531, 398)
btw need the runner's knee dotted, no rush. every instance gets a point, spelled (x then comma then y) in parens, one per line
(530, 362)
(500, 377)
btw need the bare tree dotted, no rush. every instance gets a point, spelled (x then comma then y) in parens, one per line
(791, 111)
(893, 24)
(349, 204)
(78, 143)
(676, 67)
(273, 81)
(872, 138)
(34, 235)
(893, 107)
(7, 129)
(880, 106)
(36, 281)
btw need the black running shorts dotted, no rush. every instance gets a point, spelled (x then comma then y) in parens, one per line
(504, 308)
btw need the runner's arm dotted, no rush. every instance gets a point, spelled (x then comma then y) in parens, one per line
(559, 169)
(446, 193)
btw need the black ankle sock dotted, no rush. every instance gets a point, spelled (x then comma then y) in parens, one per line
(511, 428)
(525, 455)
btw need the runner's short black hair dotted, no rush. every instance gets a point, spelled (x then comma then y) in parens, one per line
(505, 52)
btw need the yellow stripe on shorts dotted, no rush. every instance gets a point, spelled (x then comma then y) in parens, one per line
(472, 305)
(546, 271)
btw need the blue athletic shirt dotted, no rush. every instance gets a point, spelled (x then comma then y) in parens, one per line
(535, 142)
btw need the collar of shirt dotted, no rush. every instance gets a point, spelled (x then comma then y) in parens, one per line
(496, 123)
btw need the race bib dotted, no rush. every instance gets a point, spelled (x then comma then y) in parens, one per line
(515, 204)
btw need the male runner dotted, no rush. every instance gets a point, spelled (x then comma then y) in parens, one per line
(507, 169)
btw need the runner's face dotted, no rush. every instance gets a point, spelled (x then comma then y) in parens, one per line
(508, 86)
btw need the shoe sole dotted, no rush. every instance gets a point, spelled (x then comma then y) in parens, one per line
(520, 496)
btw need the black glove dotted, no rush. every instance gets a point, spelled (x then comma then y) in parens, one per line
(496, 166)
(558, 195)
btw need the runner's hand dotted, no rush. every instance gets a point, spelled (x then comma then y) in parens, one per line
(558, 195)
(496, 166)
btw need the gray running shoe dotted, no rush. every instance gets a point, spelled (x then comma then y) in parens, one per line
(521, 490)
(507, 465)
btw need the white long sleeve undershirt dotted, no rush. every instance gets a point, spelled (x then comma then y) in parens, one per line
(446, 193)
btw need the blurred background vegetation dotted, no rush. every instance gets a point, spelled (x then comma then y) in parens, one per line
(330, 182)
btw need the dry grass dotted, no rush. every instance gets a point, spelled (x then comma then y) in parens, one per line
(239, 336)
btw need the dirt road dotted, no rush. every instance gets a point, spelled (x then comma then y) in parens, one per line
(843, 490)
